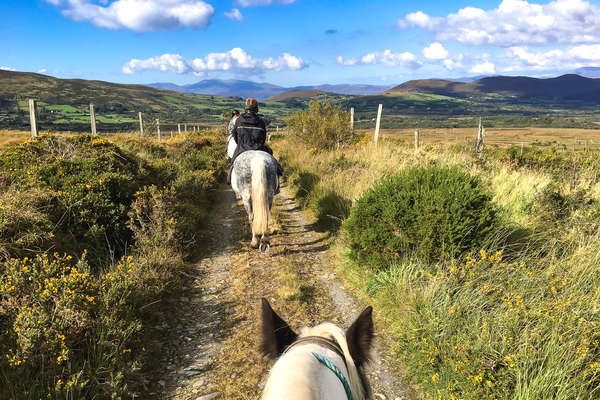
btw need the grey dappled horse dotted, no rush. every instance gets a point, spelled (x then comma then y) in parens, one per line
(254, 179)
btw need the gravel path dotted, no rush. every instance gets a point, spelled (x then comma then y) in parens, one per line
(211, 352)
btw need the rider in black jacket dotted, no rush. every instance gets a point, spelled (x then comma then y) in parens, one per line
(250, 133)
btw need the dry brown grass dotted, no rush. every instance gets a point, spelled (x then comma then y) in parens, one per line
(497, 136)
(10, 136)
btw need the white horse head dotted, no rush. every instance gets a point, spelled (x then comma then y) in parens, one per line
(322, 363)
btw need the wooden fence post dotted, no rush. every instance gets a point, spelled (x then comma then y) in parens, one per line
(376, 139)
(93, 119)
(158, 128)
(352, 119)
(179, 129)
(480, 138)
(32, 117)
(416, 140)
(171, 134)
(185, 127)
(141, 124)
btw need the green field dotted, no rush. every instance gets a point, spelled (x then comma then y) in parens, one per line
(63, 105)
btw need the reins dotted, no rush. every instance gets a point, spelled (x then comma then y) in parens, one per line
(333, 346)
(330, 344)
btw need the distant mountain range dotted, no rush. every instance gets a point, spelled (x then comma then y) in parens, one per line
(263, 90)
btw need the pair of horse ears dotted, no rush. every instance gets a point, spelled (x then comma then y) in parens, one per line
(277, 334)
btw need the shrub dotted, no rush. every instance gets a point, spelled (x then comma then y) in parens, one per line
(87, 328)
(426, 212)
(322, 126)
(87, 185)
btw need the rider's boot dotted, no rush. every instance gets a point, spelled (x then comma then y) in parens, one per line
(229, 175)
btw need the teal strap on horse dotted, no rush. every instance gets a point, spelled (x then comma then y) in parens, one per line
(326, 362)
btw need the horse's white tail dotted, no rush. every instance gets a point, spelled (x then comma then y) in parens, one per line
(260, 199)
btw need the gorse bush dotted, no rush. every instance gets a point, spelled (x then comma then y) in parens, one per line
(82, 322)
(88, 185)
(423, 212)
(321, 125)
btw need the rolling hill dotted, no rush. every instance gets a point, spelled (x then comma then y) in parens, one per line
(63, 104)
(298, 94)
(566, 88)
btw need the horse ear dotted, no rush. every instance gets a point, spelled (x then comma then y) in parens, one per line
(360, 337)
(276, 333)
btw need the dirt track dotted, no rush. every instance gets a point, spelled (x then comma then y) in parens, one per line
(211, 352)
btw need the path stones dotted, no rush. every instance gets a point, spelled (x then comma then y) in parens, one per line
(209, 396)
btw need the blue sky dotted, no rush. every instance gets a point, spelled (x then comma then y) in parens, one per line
(293, 42)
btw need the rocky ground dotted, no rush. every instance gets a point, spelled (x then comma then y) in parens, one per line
(211, 351)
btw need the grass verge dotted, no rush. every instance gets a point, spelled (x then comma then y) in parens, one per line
(513, 320)
(94, 234)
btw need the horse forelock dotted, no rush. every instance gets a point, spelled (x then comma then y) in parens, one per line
(357, 379)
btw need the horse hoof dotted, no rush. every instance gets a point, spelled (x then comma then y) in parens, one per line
(264, 247)
(254, 244)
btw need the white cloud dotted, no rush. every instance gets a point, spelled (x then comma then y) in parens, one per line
(7, 69)
(585, 52)
(484, 68)
(454, 62)
(349, 62)
(173, 63)
(235, 60)
(139, 15)
(435, 51)
(386, 57)
(42, 71)
(419, 19)
(235, 14)
(572, 57)
(257, 3)
(514, 23)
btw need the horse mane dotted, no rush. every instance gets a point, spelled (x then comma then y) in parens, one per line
(329, 330)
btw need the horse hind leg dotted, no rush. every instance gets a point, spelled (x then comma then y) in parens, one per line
(265, 243)
(255, 241)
